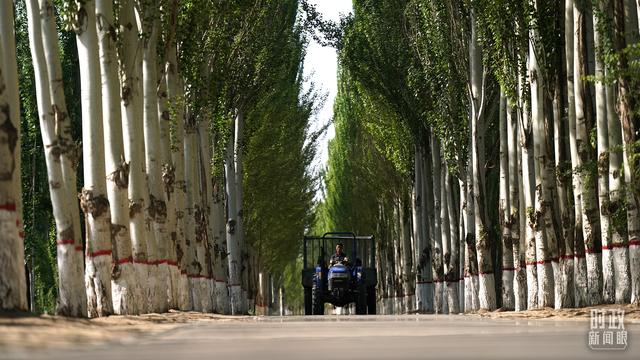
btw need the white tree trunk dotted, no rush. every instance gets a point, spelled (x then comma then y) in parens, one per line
(515, 210)
(471, 302)
(526, 145)
(449, 242)
(72, 296)
(438, 270)
(13, 288)
(133, 137)
(205, 243)
(168, 182)
(619, 238)
(486, 290)
(580, 266)
(220, 249)
(418, 231)
(239, 175)
(427, 223)
(608, 286)
(175, 94)
(625, 34)
(590, 218)
(235, 290)
(117, 169)
(564, 277)
(543, 233)
(157, 207)
(94, 200)
(508, 269)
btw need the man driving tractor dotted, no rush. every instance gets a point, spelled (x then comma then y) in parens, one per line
(339, 256)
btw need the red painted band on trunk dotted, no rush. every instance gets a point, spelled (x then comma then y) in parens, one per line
(99, 253)
(490, 272)
(635, 242)
(424, 282)
(78, 247)
(509, 269)
(613, 246)
(221, 281)
(124, 261)
(17, 222)
(567, 257)
(9, 207)
(65, 242)
(21, 234)
(172, 263)
(183, 272)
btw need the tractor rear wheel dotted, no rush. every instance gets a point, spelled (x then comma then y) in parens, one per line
(361, 301)
(308, 309)
(371, 300)
(317, 303)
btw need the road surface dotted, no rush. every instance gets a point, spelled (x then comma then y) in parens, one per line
(351, 337)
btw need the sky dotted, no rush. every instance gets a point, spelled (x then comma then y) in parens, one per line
(320, 66)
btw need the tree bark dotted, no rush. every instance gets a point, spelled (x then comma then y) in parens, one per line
(450, 243)
(133, 135)
(508, 269)
(438, 269)
(93, 199)
(13, 287)
(590, 218)
(608, 286)
(235, 290)
(156, 211)
(116, 167)
(486, 290)
(630, 123)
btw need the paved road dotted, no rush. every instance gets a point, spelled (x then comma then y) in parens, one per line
(350, 337)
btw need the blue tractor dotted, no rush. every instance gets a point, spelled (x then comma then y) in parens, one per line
(342, 282)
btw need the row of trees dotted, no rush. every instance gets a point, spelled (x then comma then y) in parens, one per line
(492, 145)
(195, 153)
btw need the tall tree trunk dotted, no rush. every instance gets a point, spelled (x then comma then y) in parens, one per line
(438, 270)
(239, 176)
(527, 207)
(235, 290)
(486, 290)
(471, 302)
(608, 286)
(450, 242)
(132, 129)
(427, 230)
(13, 288)
(157, 208)
(94, 200)
(168, 182)
(590, 214)
(419, 235)
(221, 269)
(630, 123)
(508, 299)
(580, 266)
(204, 238)
(565, 278)
(116, 167)
(49, 91)
(544, 234)
(616, 208)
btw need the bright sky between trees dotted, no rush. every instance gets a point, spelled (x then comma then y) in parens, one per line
(320, 66)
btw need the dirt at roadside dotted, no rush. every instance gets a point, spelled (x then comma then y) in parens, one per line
(631, 313)
(29, 331)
